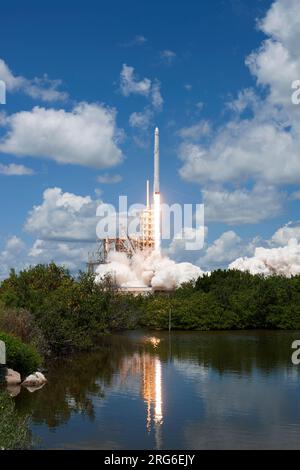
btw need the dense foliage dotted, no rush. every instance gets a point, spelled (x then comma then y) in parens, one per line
(70, 313)
(19, 356)
(14, 430)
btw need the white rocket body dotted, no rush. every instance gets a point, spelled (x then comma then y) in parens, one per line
(156, 194)
(156, 162)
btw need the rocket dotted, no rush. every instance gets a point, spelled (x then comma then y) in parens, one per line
(156, 162)
(156, 195)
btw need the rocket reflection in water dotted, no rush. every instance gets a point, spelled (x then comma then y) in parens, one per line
(152, 394)
(148, 367)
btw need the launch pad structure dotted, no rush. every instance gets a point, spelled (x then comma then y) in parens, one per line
(128, 244)
(147, 240)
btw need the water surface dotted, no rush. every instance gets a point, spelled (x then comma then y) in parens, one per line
(142, 390)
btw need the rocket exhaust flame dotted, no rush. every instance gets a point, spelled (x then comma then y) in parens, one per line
(156, 217)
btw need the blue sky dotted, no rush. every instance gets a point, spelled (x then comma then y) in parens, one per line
(114, 71)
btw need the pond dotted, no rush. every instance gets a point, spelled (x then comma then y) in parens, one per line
(155, 390)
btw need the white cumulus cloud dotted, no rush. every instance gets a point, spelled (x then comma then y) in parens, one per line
(40, 88)
(284, 234)
(15, 170)
(264, 145)
(87, 135)
(242, 206)
(224, 250)
(63, 217)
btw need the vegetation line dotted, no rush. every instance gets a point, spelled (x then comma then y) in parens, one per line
(57, 313)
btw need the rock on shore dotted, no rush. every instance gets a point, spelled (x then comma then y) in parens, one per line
(35, 380)
(12, 377)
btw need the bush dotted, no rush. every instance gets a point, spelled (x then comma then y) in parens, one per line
(19, 356)
(21, 323)
(14, 430)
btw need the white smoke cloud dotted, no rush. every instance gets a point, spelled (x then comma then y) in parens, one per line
(143, 270)
(283, 261)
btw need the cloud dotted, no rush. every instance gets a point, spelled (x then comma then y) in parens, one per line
(109, 179)
(13, 245)
(295, 196)
(141, 120)
(138, 40)
(196, 131)
(278, 255)
(15, 170)
(276, 64)
(177, 249)
(168, 56)
(243, 151)
(264, 145)
(224, 250)
(242, 206)
(246, 99)
(64, 230)
(131, 84)
(12, 256)
(85, 136)
(156, 98)
(284, 234)
(283, 261)
(43, 89)
(214, 255)
(71, 255)
(188, 87)
(18, 255)
(63, 217)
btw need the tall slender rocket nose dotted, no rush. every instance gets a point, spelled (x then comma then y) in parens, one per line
(156, 161)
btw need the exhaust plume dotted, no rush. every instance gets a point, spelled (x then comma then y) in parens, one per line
(147, 270)
(283, 261)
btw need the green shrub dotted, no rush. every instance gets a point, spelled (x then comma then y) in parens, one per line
(14, 430)
(19, 356)
(21, 323)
